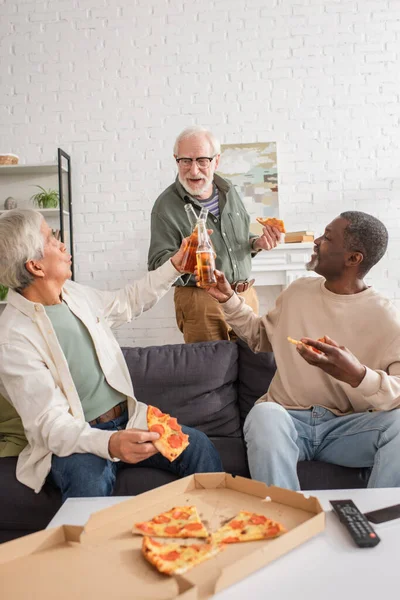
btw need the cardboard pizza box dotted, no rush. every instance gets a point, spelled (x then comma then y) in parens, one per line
(103, 560)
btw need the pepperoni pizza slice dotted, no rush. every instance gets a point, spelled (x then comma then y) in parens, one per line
(247, 527)
(176, 559)
(272, 222)
(172, 441)
(179, 522)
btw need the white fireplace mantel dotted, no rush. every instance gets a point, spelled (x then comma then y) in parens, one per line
(282, 265)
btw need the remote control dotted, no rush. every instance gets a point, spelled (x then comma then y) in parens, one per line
(355, 522)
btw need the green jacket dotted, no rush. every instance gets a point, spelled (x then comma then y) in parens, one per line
(231, 237)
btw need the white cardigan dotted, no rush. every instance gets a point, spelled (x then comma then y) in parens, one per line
(35, 378)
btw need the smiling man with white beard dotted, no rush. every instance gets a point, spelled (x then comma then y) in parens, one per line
(197, 154)
(333, 401)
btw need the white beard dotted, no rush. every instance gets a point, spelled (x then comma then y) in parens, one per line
(198, 191)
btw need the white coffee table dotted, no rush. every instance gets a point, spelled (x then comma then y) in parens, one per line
(327, 567)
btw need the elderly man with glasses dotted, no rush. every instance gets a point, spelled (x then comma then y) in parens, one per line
(197, 154)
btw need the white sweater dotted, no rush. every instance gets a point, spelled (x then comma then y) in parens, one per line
(35, 377)
(366, 323)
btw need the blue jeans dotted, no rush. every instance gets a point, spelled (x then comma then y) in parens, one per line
(277, 439)
(88, 475)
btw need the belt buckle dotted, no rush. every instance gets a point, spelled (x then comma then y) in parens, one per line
(237, 283)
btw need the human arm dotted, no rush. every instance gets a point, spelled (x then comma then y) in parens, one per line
(121, 306)
(48, 424)
(254, 330)
(39, 400)
(366, 388)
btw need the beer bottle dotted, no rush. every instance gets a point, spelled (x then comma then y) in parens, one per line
(205, 254)
(189, 257)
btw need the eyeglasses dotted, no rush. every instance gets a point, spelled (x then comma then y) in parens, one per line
(202, 162)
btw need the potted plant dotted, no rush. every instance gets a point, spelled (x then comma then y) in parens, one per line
(3, 292)
(45, 198)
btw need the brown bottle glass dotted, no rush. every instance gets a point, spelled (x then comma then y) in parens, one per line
(205, 254)
(189, 257)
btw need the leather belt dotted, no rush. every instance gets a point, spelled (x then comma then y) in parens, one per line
(113, 413)
(242, 285)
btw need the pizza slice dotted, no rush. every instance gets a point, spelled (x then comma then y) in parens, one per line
(321, 339)
(172, 441)
(247, 527)
(176, 559)
(179, 522)
(272, 222)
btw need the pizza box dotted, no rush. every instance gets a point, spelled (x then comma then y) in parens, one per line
(103, 559)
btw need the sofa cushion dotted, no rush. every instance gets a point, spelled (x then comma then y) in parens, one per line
(255, 374)
(196, 383)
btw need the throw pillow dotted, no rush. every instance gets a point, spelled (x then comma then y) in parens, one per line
(12, 435)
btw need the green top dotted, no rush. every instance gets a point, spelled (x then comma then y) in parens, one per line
(12, 435)
(231, 237)
(96, 395)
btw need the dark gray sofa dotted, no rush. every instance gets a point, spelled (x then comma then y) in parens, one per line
(211, 386)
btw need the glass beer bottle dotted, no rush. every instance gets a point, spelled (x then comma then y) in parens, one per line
(205, 254)
(189, 257)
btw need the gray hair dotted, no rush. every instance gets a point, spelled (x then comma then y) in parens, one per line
(366, 234)
(21, 240)
(196, 130)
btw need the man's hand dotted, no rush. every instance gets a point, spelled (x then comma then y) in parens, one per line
(132, 445)
(270, 238)
(178, 257)
(223, 291)
(335, 360)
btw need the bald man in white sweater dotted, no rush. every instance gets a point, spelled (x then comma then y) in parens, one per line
(339, 405)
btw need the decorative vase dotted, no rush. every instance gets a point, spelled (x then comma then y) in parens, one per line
(10, 203)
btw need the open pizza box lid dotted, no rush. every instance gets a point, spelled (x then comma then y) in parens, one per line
(103, 560)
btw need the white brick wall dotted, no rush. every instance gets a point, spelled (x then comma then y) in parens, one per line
(114, 82)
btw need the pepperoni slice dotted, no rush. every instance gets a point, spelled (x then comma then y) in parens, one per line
(180, 514)
(161, 519)
(145, 527)
(172, 529)
(173, 555)
(154, 543)
(173, 423)
(274, 530)
(230, 540)
(257, 519)
(193, 526)
(156, 411)
(237, 524)
(175, 441)
(157, 428)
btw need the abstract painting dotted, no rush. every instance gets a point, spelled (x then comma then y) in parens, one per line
(252, 168)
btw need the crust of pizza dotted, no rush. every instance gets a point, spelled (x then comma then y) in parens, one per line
(176, 559)
(272, 222)
(172, 441)
(321, 339)
(247, 527)
(178, 522)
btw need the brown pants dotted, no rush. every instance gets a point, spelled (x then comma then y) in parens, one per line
(200, 317)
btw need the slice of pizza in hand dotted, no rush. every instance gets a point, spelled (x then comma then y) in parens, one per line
(179, 522)
(272, 222)
(176, 559)
(321, 339)
(247, 527)
(172, 441)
